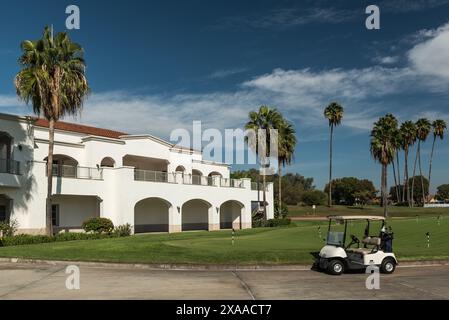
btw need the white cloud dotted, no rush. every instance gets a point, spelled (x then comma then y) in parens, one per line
(387, 60)
(431, 56)
(300, 94)
(219, 74)
(9, 101)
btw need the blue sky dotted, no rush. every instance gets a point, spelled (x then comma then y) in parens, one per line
(155, 66)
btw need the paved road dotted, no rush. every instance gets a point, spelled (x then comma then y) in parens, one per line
(30, 281)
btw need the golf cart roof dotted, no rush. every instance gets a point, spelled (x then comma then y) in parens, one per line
(372, 218)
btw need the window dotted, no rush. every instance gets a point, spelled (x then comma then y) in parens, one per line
(2, 213)
(55, 215)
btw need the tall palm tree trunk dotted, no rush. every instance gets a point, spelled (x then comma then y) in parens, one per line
(399, 174)
(414, 173)
(280, 189)
(423, 192)
(395, 181)
(406, 182)
(48, 218)
(430, 163)
(384, 189)
(330, 164)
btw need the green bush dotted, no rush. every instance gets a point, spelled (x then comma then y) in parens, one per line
(281, 212)
(23, 239)
(98, 225)
(271, 223)
(123, 230)
(314, 197)
(277, 222)
(8, 229)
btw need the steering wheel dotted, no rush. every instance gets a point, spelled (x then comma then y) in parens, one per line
(354, 240)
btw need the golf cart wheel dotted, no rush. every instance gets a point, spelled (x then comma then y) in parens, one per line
(336, 267)
(388, 266)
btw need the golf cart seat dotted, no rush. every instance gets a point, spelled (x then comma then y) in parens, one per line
(374, 241)
(361, 251)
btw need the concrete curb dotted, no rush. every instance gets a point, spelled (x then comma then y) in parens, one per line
(195, 267)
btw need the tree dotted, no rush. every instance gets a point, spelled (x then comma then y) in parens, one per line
(314, 197)
(334, 114)
(397, 139)
(422, 131)
(408, 139)
(438, 126)
(417, 189)
(383, 149)
(443, 192)
(362, 197)
(52, 78)
(286, 150)
(265, 119)
(344, 189)
(294, 185)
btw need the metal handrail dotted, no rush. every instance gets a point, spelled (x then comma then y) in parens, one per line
(77, 172)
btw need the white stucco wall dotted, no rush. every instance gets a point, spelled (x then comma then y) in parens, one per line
(117, 189)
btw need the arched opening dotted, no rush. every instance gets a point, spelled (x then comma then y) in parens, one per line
(64, 166)
(151, 215)
(231, 215)
(5, 208)
(215, 174)
(195, 215)
(5, 152)
(180, 169)
(197, 177)
(107, 162)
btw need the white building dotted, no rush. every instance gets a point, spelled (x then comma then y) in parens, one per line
(138, 179)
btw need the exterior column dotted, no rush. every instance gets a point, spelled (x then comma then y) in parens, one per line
(174, 219)
(214, 218)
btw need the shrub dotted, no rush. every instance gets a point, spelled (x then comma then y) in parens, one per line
(277, 222)
(123, 230)
(23, 239)
(314, 197)
(281, 212)
(98, 225)
(271, 223)
(8, 229)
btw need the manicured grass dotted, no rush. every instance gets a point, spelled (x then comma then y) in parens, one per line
(295, 211)
(286, 245)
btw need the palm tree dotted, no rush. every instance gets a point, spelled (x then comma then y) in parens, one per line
(408, 139)
(53, 79)
(397, 138)
(439, 126)
(383, 149)
(265, 119)
(422, 131)
(334, 113)
(286, 150)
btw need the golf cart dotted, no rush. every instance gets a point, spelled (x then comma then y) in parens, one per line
(336, 257)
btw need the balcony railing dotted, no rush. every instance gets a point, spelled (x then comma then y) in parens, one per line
(152, 176)
(176, 177)
(231, 183)
(9, 166)
(76, 172)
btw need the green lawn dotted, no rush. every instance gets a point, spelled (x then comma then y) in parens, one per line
(295, 211)
(256, 246)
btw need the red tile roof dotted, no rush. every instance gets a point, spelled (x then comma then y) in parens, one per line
(78, 128)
